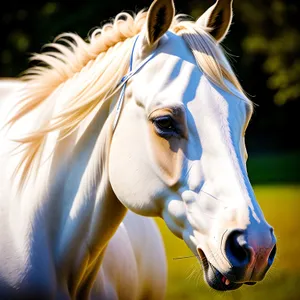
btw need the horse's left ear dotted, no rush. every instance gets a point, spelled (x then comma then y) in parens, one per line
(159, 20)
(217, 19)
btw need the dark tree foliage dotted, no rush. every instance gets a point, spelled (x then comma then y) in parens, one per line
(263, 43)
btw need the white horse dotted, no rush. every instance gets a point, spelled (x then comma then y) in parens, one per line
(148, 117)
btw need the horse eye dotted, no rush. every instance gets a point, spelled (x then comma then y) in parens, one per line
(164, 123)
(166, 127)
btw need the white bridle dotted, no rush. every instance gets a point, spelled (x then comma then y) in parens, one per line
(125, 79)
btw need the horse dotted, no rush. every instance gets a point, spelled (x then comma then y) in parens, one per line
(144, 119)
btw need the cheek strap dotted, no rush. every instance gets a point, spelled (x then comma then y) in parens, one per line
(125, 79)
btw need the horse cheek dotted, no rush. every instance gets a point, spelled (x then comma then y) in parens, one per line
(169, 158)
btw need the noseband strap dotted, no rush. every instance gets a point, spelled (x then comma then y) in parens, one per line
(125, 79)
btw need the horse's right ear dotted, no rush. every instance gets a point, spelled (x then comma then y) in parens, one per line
(217, 19)
(159, 20)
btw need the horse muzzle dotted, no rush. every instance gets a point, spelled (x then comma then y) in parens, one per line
(249, 254)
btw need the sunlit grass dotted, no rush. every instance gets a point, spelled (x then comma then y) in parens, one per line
(281, 207)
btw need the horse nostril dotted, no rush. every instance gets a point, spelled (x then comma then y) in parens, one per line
(272, 255)
(237, 249)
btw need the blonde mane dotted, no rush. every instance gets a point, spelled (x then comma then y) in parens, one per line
(88, 72)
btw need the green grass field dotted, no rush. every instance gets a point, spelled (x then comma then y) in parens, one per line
(281, 206)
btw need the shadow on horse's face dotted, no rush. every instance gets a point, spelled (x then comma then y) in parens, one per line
(178, 152)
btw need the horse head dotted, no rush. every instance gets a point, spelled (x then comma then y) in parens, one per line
(178, 149)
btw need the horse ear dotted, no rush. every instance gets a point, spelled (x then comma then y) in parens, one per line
(159, 20)
(217, 19)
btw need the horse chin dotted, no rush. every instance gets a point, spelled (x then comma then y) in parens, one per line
(214, 278)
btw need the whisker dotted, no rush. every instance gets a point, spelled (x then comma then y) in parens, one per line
(184, 257)
(212, 196)
(195, 274)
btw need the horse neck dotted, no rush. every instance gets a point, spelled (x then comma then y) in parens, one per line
(82, 201)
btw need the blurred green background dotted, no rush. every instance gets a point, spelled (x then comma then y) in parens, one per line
(264, 47)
